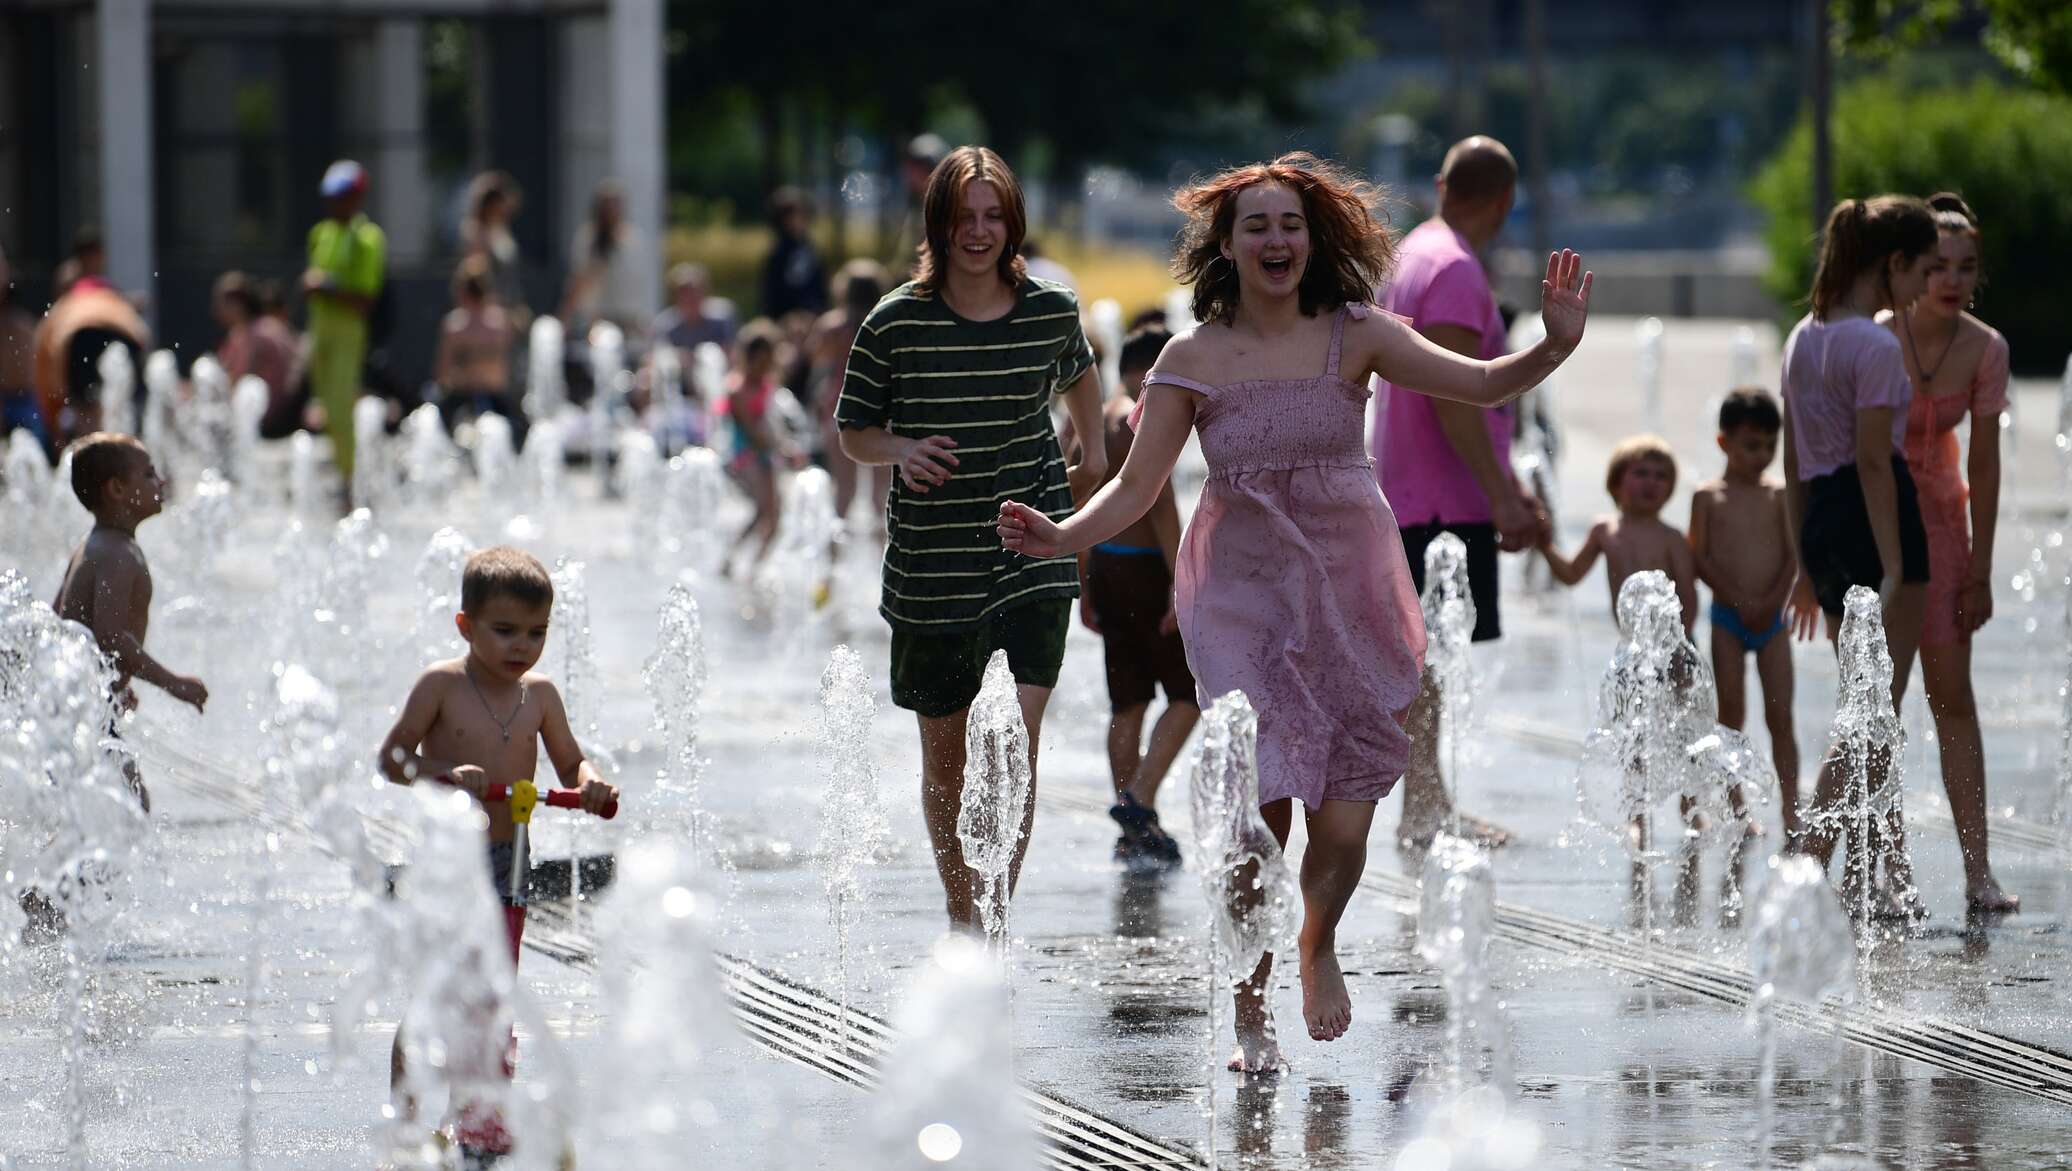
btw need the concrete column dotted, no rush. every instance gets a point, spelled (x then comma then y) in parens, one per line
(638, 120)
(122, 32)
(399, 189)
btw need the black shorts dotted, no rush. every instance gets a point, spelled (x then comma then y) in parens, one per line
(1481, 542)
(1836, 545)
(938, 675)
(1131, 593)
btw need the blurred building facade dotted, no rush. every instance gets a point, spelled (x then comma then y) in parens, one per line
(192, 133)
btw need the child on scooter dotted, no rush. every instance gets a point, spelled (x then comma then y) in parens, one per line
(479, 720)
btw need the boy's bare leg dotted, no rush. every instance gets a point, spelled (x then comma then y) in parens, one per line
(406, 1105)
(1684, 907)
(1033, 700)
(942, 799)
(1125, 744)
(1168, 737)
(1728, 677)
(1332, 863)
(1258, 1048)
(1773, 670)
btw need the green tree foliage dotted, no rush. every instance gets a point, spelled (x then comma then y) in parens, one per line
(2008, 152)
(2033, 37)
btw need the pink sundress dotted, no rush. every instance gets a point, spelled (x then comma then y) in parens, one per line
(1292, 585)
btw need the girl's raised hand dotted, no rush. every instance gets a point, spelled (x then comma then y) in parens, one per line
(1565, 298)
(1026, 531)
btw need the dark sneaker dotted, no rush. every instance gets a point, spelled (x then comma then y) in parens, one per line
(1149, 846)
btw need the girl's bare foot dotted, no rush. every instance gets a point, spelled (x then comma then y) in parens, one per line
(1326, 1006)
(1258, 1051)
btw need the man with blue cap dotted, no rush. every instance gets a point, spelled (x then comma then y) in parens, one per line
(347, 264)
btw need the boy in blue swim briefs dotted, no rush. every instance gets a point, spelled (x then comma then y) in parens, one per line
(1745, 557)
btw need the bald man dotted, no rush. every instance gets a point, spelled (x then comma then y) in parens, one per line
(1445, 466)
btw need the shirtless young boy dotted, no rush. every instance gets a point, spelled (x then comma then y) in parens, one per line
(1742, 543)
(1641, 477)
(479, 720)
(107, 586)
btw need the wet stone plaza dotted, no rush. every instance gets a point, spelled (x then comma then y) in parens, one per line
(751, 975)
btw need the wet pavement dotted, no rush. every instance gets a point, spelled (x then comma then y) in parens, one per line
(1627, 1051)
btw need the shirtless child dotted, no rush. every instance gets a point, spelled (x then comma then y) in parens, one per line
(480, 720)
(1641, 477)
(1742, 543)
(1126, 597)
(107, 586)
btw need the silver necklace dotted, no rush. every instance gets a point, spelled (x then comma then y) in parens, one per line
(502, 725)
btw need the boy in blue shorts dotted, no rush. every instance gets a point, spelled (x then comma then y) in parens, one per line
(1745, 556)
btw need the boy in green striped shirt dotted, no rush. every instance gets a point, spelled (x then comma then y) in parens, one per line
(950, 379)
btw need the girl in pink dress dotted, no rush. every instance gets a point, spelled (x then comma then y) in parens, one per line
(1959, 367)
(1291, 585)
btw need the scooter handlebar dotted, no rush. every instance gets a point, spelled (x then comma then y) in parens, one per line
(561, 798)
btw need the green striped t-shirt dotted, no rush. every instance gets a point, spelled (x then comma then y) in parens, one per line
(917, 369)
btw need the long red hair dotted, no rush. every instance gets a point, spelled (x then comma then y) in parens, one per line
(1349, 246)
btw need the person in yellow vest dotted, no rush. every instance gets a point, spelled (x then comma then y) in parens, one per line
(347, 263)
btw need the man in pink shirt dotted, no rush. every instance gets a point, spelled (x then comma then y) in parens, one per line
(1445, 466)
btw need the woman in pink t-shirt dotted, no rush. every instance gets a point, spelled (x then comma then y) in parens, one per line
(1959, 367)
(1852, 502)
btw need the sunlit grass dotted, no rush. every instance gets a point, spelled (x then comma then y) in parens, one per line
(1133, 276)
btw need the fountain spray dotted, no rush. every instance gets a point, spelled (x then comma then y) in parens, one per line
(997, 781)
(1255, 907)
(852, 822)
(1449, 615)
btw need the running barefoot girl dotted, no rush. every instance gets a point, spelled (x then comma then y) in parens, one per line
(1959, 367)
(1291, 584)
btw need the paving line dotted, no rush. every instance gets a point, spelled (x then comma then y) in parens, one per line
(782, 1017)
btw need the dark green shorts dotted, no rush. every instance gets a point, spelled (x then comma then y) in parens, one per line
(938, 675)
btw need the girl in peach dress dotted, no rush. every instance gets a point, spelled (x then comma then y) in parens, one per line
(1959, 367)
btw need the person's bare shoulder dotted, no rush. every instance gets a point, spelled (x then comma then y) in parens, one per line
(540, 689)
(1194, 355)
(538, 683)
(438, 681)
(104, 552)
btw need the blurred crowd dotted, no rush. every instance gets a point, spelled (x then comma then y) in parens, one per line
(760, 387)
